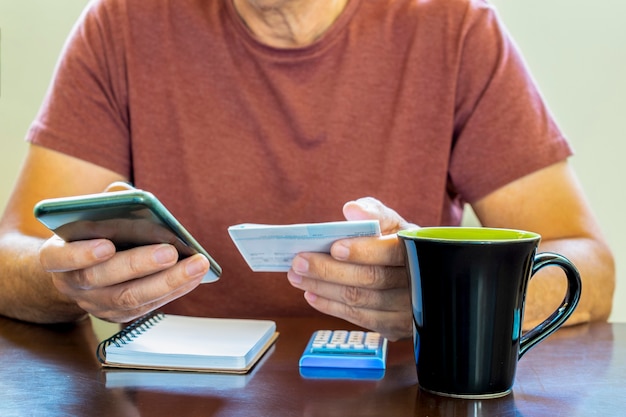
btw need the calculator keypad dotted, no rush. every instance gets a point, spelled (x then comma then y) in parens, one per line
(346, 342)
(345, 349)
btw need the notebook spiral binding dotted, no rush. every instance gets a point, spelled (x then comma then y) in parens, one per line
(129, 333)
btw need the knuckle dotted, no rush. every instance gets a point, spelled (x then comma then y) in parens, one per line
(134, 265)
(357, 298)
(85, 279)
(395, 277)
(324, 269)
(370, 277)
(46, 254)
(126, 299)
(172, 279)
(350, 295)
(44, 260)
(354, 314)
(376, 277)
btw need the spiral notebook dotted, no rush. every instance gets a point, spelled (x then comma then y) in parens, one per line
(172, 342)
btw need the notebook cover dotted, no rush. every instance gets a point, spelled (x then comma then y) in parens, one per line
(133, 332)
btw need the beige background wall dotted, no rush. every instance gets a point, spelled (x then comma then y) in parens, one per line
(576, 50)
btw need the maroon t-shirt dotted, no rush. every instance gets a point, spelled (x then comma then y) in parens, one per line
(423, 105)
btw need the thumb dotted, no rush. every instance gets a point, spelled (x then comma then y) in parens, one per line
(369, 208)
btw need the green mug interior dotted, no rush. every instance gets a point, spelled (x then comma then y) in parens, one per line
(468, 234)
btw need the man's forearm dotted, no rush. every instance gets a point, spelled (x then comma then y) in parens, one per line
(26, 290)
(597, 270)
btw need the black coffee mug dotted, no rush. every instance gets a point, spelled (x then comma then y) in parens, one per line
(468, 287)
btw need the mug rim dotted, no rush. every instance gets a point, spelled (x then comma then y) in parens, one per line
(468, 234)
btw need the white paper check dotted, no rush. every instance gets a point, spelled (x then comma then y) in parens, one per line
(271, 248)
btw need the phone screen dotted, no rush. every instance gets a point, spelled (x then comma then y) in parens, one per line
(128, 218)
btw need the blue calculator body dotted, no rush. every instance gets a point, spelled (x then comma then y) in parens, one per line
(344, 349)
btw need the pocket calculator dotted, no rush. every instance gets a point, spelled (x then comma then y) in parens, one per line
(345, 349)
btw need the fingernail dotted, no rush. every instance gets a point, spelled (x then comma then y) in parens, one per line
(102, 250)
(294, 279)
(196, 267)
(340, 251)
(300, 265)
(165, 254)
(310, 297)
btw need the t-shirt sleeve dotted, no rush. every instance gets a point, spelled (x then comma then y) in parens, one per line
(503, 129)
(85, 112)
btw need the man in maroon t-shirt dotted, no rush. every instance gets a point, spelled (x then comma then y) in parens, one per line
(245, 111)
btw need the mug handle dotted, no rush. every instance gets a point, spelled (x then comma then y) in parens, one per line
(567, 307)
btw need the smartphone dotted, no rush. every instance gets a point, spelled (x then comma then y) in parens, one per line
(128, 218)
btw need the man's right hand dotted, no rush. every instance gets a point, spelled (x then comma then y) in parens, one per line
(120, 286)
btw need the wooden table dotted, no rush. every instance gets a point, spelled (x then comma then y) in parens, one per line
(52, 371)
